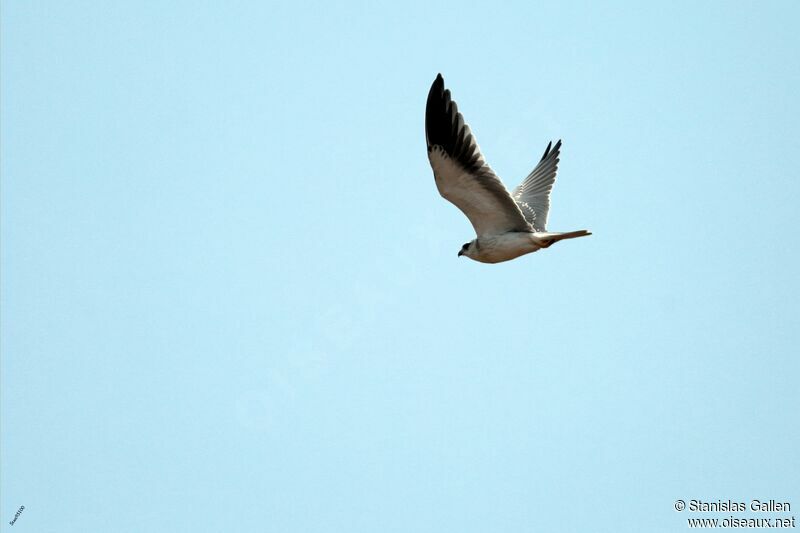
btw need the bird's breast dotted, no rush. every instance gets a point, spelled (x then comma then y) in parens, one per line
(504, 247)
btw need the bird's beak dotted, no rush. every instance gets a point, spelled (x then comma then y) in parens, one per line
(460, 253)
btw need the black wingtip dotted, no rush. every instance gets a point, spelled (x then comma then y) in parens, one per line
(546, 150)
(437, 86)
(437, 113)
(550, 149)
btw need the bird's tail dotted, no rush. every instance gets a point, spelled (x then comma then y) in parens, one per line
(550, 237)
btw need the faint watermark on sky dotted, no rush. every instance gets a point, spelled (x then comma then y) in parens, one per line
(17, 515)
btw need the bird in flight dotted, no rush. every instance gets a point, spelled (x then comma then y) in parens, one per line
(508, 225)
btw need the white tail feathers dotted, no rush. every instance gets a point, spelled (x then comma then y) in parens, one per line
(551, 237)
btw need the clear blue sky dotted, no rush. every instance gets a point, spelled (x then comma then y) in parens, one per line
(230, 293)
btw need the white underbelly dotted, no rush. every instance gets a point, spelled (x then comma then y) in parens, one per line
(505, 247)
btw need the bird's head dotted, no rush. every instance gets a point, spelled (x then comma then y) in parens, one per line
(468, 249)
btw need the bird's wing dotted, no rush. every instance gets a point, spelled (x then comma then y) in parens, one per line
(533, 194)
(462, 176)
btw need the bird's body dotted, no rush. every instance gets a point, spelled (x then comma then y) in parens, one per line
(507, 225)
(502, 247)
(512, 244)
